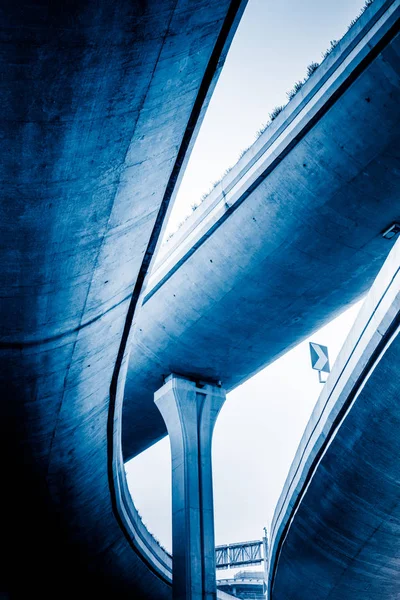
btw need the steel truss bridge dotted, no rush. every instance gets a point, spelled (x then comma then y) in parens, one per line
(241, 554)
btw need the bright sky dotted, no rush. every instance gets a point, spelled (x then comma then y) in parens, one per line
(262, 421)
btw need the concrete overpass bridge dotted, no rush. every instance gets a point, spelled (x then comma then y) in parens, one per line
(335, 532)
(103, 104)
(287, 240)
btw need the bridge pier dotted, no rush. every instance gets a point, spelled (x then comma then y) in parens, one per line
(190, 411)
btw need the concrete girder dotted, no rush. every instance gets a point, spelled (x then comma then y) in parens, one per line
(289, 238)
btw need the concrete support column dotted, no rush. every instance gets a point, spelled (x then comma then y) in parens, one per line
(190, 411)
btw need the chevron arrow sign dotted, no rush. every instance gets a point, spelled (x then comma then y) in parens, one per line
(319, 357)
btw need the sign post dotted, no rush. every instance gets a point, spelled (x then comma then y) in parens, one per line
(319, 359)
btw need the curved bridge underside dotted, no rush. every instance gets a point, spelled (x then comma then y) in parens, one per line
(101, 102)
(289, 238)
(336, 529)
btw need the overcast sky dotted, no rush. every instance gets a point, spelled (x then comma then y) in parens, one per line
(262, 421)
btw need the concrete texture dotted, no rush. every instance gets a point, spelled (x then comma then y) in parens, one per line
(190, 412)
(290, 238)
(335, 532)
(100, 104)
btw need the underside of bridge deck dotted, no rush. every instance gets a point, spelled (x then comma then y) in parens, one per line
(101, 102)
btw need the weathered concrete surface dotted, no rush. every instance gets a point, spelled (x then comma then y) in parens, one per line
(190, 412)
(290, 237)
(336, 528)
(99, 106)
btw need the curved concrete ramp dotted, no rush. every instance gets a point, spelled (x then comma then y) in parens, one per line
(101, 102)
(289, 238)
(336, 528)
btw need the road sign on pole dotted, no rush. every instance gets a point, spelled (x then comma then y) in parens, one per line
(319, 359)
